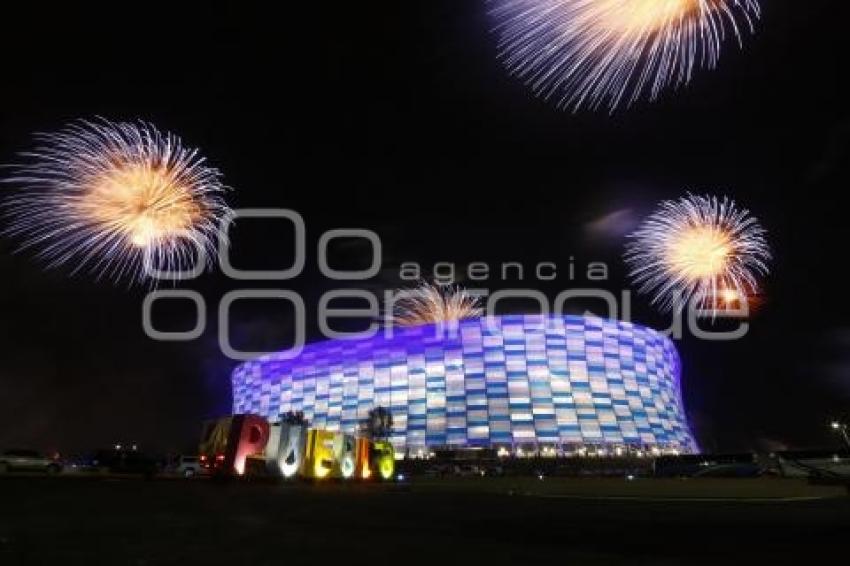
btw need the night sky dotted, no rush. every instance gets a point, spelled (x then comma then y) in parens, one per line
(397, 117)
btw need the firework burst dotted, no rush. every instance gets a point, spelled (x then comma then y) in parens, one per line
(592, 53)
(116, 199)
(701, 249)
(431, 304)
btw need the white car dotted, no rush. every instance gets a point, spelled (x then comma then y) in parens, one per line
(27, 461)
(188, 466)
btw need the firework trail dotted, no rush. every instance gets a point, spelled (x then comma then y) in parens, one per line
(701, 249)
(592, 53)
(431, 303)
(115, 199)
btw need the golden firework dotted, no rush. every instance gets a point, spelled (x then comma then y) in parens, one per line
(146, 204)
(121, 199)
(593, 53)
(433, 304)
(701, 249)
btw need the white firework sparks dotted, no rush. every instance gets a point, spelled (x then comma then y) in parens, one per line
(701, 249)
(117, 199)
(431, 304)
(590, 53)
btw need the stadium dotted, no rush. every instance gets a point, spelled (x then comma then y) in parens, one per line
(518, 383)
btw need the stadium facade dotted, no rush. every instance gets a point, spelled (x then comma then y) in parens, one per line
(517, 382)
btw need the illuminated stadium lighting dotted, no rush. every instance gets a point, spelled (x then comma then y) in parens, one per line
(509, 381)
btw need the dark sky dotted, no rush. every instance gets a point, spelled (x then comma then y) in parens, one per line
(395, 116)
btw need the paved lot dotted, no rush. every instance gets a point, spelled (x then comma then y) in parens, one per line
(128, 521)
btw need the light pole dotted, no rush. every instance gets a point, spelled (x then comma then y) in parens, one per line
(841, 428)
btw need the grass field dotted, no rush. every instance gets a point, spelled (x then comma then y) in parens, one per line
(471, 521)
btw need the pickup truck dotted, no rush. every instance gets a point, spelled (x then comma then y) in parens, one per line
(27, 461)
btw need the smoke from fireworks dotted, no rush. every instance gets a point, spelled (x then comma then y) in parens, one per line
(117, 199)
(590, 53)
(430, 304)
(698, 248)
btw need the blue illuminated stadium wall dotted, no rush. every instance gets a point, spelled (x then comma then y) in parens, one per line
(524, 380)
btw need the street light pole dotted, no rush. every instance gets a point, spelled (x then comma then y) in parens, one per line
(842, 429)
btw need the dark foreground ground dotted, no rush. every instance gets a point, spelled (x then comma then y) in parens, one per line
(127, 521)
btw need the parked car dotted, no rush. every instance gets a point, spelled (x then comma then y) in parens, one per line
(467, 470)
(706, 465)
(28, 461)
(188, 466)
